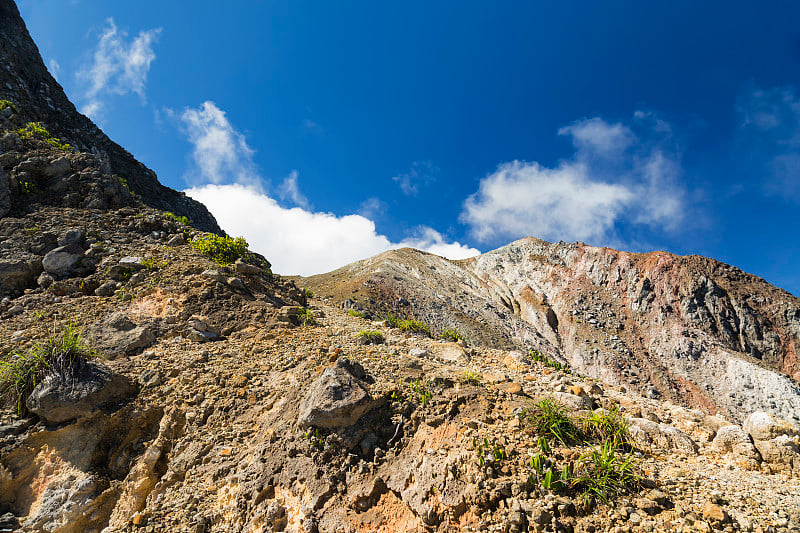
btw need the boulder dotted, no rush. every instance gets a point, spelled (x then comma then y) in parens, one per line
(18, 273)
(117, 335)
(338, 398)
(733, 439)
(764, 426)
(59, 398)
(782, 453)
(661, 435)
(62, 260)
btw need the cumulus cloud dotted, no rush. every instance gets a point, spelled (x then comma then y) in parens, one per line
(770, 121)
(296, 240)
(220, 153)
(421, 173)
(617, 174)
(119, 66)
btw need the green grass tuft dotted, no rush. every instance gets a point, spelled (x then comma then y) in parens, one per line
(355, 313)
(175, 218)
(451, 335)
(548, 418)
(306, 317)
(7, 104)
(391, 321)
(35, 130)
(415, 326)
(368, 336)
(605, 474)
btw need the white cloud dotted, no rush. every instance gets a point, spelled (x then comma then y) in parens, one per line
(289, 190)
(613, 177)
(119, 66)
(372, 207)
(221, 154)
(297, 241)
(420, 174)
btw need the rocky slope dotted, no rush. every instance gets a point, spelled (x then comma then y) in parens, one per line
(223, 398)
(690, 329)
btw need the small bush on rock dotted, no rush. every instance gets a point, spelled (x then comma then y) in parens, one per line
(451, 335)
(306, 317)
(175, 218)
(7, 104)
(223, 250)
(64, 354)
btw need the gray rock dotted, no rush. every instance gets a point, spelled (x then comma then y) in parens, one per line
(57, 168)
(782, 452)
(45, 279)
(150, 378)
(338, 398)
(215, 275)
(19, 273)
(449, 352)
(72, 236)
(57, 398)
(106, 289)
(132, 262)
(62, 260)
(417, 352)
(116, 335)
(236, 283)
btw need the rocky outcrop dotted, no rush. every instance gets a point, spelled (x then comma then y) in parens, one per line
(338, 398)
(117, 335)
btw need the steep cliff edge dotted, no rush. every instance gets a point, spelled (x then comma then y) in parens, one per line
(685, 328)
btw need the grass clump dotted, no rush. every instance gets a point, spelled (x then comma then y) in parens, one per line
(307, 293)
(607, 426)
(548, 418)
(451, 335)
(470, 376)
(184, 221)
(64, 354)
(35, 130)
(415, 326)
(355, 313)
(306, 317)
(222, 250)
(391, 321)
(605, 474)
(369, 336)
(536, 356)
(8, 104)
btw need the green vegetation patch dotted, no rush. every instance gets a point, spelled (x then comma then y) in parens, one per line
(370, 336)
(548, 418)
(306, 317)
(175, 218)
(64, 354)
(35, 130)
(7, 104)
(223, 250)
(355, 313)
(415, 326)
(391, 321)
(451, 335)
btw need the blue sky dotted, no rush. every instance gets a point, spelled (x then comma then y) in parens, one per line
(326, 132)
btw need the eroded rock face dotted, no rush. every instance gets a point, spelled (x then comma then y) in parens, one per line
(338, 398)
(58, 399)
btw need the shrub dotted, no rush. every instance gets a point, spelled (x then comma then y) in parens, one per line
(415, 326)
(307, 293)
(451, 335)
(368, 336)
(35, 130)
(306, 317)
(223, 250)
(355, 313)
(65, 355)
(391, 321)
(548, 418)
(175, 218)
(7, 104)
